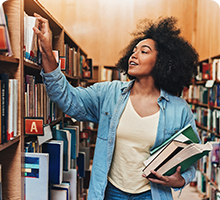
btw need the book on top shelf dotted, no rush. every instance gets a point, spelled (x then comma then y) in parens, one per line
(181, 149)
(5, 33)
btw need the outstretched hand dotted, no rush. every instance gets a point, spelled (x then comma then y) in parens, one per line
(176, 180)
(44, 42)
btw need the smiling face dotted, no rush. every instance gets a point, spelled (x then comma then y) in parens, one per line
(143, 59)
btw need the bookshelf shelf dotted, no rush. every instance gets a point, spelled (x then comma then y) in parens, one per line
(9, 143)
(6, 59)
(56, 121)
(12, 151)
(31, 65)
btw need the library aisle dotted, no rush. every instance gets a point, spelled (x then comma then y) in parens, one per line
(188, 193)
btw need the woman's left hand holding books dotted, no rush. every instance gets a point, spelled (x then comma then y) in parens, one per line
(174, 181)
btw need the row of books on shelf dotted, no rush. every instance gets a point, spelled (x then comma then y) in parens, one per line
(61, 168)
(108, 74)
(74, 64)
(8, 108)
(37, 102)
(209, 70)
(207, 189)
(208, 168)
(208, 118)
(5, 45)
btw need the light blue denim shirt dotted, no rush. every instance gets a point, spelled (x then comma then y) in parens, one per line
(103, 103)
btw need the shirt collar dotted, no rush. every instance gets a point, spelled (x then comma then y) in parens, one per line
(128, 85)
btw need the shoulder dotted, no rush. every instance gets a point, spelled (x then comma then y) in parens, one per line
(114, 85)
(178, 103)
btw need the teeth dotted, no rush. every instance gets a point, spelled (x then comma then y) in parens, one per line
(133, 63)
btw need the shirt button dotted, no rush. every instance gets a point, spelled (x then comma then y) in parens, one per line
(110, 140)
(111, 125)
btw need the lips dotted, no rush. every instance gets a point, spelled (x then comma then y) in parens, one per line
(133, 63)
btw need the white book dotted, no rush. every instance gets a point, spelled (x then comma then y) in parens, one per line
(58, 194)
(10, 133)
(71, 176)
(15, 115)
(63, 186)
(31, 47)
(36, 170)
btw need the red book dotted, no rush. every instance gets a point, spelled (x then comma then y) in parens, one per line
(3, 43)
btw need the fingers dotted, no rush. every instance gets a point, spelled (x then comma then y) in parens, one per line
(38, 32)
(43, 23)
(163, 178)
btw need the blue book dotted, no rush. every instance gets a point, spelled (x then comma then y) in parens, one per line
(81, 163)
(55, 150)
(64, 136)
(73, 141)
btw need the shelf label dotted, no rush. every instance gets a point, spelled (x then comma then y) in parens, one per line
(34, 126)
(209, 83)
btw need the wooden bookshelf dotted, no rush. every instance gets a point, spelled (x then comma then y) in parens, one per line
(12, 152)
(211, 132)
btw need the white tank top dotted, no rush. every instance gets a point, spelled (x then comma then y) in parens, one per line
(135, 136)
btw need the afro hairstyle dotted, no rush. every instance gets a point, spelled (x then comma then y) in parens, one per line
(177, 60)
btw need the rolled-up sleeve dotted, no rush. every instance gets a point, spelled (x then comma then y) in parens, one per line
(80, 103)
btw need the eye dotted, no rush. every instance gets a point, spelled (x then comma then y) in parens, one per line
(143, 51)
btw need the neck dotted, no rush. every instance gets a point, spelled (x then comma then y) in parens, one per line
(145, 87)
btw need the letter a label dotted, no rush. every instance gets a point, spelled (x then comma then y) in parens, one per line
(34, 127)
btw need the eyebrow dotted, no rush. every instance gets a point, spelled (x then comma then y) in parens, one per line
(144, 46)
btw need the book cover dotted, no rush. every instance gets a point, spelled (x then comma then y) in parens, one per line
(58, 194)
(47, 135)
(73, 141)
(186, 131)
(76, 128)
(64, 186)
(1, 137)
(81, 163)
(163, 156)
(4, 22)
(10, 132)
(3, 42)
(15, 102)
(4, 105)
(31, 37)
(71, 177)
(55, 150)
(36, 169)
(63, 135)
(86, 67)
(184, 158)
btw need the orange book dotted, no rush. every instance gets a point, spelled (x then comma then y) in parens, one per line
(3, 43)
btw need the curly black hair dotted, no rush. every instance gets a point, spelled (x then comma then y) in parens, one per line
(177, 60)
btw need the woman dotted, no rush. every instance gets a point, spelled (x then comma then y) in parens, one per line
(134, 117)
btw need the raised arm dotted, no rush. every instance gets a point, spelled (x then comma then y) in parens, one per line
(44, 42)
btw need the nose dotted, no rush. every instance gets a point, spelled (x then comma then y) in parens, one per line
(133, 55)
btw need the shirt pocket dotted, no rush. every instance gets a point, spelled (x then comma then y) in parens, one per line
(104, 122)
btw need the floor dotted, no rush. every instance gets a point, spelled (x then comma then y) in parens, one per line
(188, 193)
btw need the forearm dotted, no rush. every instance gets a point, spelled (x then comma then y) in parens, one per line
(48, 61)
